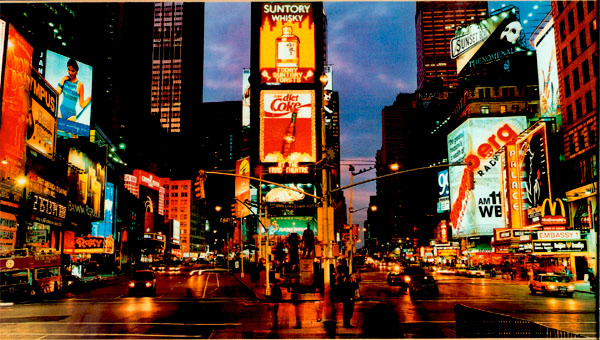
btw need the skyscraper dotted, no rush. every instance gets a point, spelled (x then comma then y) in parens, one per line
(176, 24)
(435, 24)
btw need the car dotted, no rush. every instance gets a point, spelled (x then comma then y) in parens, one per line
(461, 269)
(408, 274)
(208, 271)
(475, 272)
(143, 281)
(423, 285)
(445, 271)
(551, 283)
(173, 269)
(159, 267)
(394, 277)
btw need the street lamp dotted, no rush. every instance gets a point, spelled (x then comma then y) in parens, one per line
(350, 243)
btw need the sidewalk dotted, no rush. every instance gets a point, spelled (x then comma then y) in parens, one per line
(305, 305)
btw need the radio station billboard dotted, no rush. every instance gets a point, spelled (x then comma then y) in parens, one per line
(477, 209)
(287, 127)
(72, 80)
(287, 43)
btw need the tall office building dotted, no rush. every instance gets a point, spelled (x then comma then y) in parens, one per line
(176, 25)
(576, 37)
(435, 25)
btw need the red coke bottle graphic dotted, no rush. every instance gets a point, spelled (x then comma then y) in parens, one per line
(289, 137)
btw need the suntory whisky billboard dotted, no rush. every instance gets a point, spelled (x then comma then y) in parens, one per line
(287, 43)
(287, 128)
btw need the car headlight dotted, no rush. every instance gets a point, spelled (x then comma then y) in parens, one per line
(551, 286)
(407, 278)
(397, 268)
(131, 284)
(570, 287)
(148, 284)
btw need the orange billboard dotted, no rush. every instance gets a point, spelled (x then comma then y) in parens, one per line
(287, 127)
(287, 43)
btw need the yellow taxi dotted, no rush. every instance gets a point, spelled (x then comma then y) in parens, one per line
(551, 283)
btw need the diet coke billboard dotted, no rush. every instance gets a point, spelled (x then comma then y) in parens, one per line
(287, 127)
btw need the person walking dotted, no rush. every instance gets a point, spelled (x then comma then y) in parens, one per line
(275, 297)
(308, 238)
(349, 293)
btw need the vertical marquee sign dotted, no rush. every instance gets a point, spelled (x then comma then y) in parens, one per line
(287, 43)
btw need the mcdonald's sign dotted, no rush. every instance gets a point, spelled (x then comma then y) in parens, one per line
(553, 218)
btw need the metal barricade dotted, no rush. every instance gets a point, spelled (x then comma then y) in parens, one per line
(478, 323)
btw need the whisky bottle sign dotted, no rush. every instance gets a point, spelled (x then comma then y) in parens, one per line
(287, 43)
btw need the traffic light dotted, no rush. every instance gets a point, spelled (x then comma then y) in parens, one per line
(199, 184)
(233, 210)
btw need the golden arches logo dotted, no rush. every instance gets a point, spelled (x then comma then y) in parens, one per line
(553, 207)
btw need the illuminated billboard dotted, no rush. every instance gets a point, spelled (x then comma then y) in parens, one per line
(72, 80)
(242, 187)
(86, 178)
(287, 43)
(527, 177)
(246, 97)
(105, 228)
(41, 117)
(287, 128)
(286, 225)
(488, 41)
(15, 104)
(548, 76)
(475, 190)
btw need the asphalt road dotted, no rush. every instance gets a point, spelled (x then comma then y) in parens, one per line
(204, 306)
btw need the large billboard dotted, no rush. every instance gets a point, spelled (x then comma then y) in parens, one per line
(287, 43)
(86, 175)
(488, 41)
(72, 80)
(41, 117)
(287, 127)
(286, 225)
(475, 188)
(105, 228)
(246, 97)
(15, 104)
(527, 177)
(548, 76)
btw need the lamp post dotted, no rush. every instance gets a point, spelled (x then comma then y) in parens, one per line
(325, 204)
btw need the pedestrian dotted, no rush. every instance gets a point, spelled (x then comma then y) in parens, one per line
(275, 297)
(349, 291)
(297, 309)
(308, 238)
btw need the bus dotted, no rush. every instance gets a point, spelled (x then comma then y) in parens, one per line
(24, 273)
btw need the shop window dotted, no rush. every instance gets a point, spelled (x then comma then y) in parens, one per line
(502, 108)
(485, 109)
(515, 108)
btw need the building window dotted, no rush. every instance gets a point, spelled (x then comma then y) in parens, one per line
(569, 118)
(582, 40)
(515, 108)
(572, 146)
(591, 5)
(502, 108)
(485, 109)
(591, 135)
(589, 104)
(567, 86)
(593, 31)
(580, 11)
(585, 71)
(571, 18)
(581, 141)
(578, 109)
(484, 92)
(560, 5)
(576, 79)
(562, 30)
(573, 49)
(565, 57)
